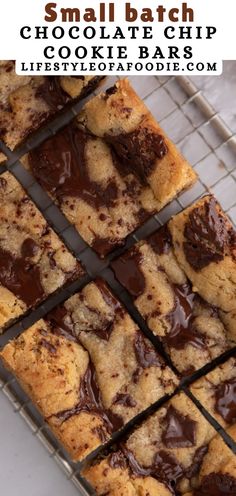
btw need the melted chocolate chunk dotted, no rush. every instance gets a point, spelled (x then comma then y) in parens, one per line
(139, 150)
(108, 296)
(89, 397)
(116, 420)
(145, 353)
(125, 400)
(61, 323)
(128, 272)
(161, 241)
(105, 245)
(166, 468)
(134, 466)
(59, 164)
(21, 277)
(217, 484)
(111, 91)
(52, 93)
(104, 331)
(29, 248)
(180, 430)
(182, 331)
(90, 401)
(206, 236)
(225, 400)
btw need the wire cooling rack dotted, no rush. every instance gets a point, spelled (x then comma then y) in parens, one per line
(208, 143)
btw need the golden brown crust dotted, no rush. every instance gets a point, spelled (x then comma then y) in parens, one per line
(34, 262)
(88, 368)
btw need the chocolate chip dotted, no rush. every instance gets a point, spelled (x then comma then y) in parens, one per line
(217, 484)
(180, 430)
(225, 400)
(128, 272)
(206, 236)
(21, 278)
(29, 248)
(139, 150)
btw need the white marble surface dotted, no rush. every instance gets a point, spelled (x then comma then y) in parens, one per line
(26, 468)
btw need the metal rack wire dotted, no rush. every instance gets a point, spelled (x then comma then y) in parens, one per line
(203, 137)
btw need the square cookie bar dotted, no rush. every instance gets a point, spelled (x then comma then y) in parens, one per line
(110, 169)
(164, 456)
(26, 102)
(88, 368)
(34, 263)
(217, 392)
(172, 297)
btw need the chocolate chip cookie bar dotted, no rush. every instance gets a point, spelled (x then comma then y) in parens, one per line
(111, 169)
(180, 312)
(217, 392)
(88, 368)
(34, 263)
(121, 118)
(27, 102)
(161, 457)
